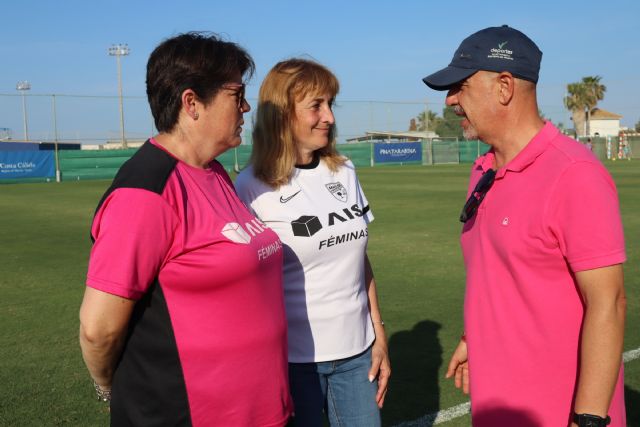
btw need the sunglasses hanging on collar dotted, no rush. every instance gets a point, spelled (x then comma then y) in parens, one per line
(477, 195)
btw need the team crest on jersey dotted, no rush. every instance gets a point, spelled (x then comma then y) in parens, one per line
(337, 190)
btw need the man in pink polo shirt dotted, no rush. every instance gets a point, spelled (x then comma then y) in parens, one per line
(543, 249)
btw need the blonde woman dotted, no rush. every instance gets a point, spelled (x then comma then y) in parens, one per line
(300, 187)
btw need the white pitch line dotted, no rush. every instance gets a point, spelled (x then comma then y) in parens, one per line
(439, 417)
(464, 408)
(630, 355)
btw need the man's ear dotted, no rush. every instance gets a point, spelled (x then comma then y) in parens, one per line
(506, 87)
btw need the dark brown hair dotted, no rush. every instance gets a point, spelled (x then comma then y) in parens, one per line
(195, 60)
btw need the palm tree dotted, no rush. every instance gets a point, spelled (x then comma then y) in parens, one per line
(575, 102)
(582, 98)
(431, 121)
(595, 92)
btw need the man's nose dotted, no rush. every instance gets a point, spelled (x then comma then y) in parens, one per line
(452, 98)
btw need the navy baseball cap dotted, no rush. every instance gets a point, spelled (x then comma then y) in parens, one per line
(492, 49)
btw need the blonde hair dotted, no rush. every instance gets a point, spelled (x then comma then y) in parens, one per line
(274, 152)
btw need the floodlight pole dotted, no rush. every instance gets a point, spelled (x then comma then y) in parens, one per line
(55, 138)
(119, 50)
(426, 115)
(24, 86)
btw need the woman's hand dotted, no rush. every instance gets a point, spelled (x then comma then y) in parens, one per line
(380, 368)
(380, 364)
(459, 367)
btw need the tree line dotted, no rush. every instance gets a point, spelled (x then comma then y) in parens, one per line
(446, 126)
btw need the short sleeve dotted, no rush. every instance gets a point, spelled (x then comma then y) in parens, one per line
(362, 199)
(133, 232)
(584, 215)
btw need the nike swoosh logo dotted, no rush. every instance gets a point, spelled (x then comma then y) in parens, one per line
(286, 199)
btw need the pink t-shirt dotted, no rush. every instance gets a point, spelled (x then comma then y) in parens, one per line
(553, 210)
(219, 270)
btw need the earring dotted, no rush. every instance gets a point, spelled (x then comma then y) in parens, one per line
(196, 116)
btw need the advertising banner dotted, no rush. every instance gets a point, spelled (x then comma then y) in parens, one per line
(26, 164)
(399, 152)
(19, 146)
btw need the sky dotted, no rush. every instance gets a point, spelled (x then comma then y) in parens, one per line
(379, 50)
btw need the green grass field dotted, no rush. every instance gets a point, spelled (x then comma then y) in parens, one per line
(415, 254)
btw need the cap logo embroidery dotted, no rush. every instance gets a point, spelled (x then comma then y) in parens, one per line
(501, 53)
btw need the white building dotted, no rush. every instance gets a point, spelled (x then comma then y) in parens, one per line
(604, 123)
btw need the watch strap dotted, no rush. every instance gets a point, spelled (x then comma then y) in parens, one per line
(589, 420)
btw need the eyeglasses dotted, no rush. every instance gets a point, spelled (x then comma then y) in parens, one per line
(240, 91)
(477, 195)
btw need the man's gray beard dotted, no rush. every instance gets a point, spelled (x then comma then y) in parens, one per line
(470, 132)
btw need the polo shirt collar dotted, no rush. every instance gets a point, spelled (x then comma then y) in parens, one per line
(528, 155)
(485, 162)
(533, 149)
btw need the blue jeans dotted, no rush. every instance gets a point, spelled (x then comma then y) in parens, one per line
(339, 388)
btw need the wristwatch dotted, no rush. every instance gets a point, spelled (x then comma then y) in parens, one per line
(588, 420)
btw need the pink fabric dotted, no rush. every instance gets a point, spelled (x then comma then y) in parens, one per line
(223, 289)
(552, 210)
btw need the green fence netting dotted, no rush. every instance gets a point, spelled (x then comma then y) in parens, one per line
(103, 164)
(359, 153)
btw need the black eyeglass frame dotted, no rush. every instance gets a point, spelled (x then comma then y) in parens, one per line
(477, 195)
(240, 89)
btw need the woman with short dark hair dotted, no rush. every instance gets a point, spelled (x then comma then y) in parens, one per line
(182, 321)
